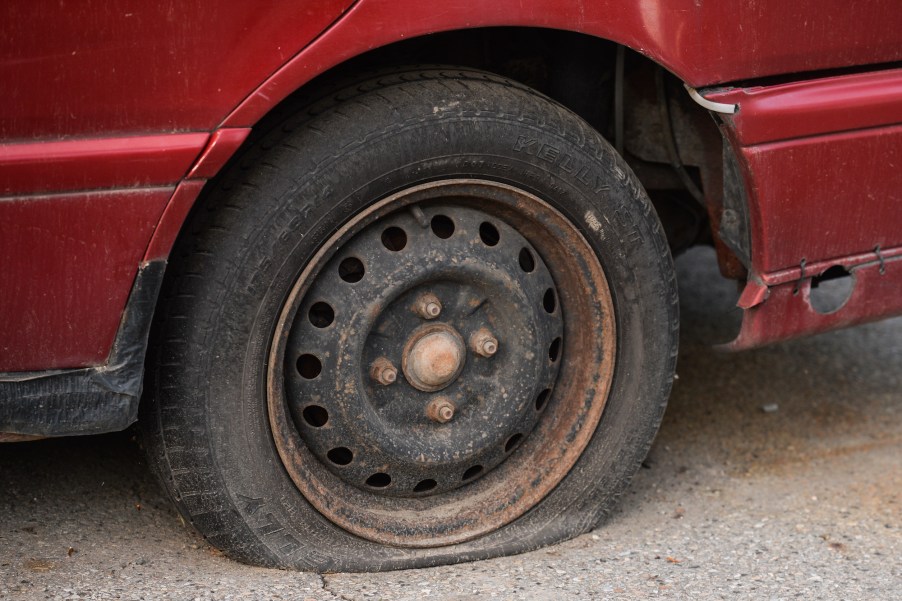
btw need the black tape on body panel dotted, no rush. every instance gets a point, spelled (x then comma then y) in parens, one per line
(89, 400)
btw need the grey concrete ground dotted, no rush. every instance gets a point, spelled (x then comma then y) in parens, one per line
(802, 501)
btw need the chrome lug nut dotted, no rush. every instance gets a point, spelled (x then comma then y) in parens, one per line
(428, 306)
(383, 371)
(483, 343)
(440, 410)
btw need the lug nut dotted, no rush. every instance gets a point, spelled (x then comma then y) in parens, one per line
(428, 306)
(440, 410)
(383, 371)
(483, 343)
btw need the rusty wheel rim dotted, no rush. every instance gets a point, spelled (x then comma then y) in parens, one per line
(416, 455)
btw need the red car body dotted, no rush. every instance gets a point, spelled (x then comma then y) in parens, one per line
(115, 114)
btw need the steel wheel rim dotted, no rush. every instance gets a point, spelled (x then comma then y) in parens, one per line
(511, 482)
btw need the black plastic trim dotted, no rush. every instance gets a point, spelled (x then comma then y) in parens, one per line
(89, 400)
(735, 228)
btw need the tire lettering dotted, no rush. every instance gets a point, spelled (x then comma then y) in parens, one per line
(600, 186)
(528, 144)
(548, 153)
(567, 163)
(251, 504)
(271, 526)
(290, 545)
(583, 176)
(625, 224)
(592, 221)
(268, 526)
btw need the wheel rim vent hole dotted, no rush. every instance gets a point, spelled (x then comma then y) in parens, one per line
(378, 480)
(527, 262)
(340, 455)
(472, 473)
(309, 366)
(351, 270)
(549, 301)
(542, 399)
(512, 442)
(424, 485)
(554, 351)
(442, 226)
(394, 238)
(321, 315)
(316, 416)
(489, 234)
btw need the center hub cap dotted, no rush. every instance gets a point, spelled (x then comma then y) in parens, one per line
(425, 351)
(433, 357)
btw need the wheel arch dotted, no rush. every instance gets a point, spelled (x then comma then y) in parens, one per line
(660, 309)
(572, 67)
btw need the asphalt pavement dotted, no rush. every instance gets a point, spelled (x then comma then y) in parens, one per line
(777, 474)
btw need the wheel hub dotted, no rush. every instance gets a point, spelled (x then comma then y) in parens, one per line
(433, 357)
(410, 394)
(415, 396)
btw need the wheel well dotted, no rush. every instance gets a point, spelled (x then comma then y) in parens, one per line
(580, 72)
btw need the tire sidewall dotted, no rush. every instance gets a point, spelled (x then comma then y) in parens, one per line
(522, 142)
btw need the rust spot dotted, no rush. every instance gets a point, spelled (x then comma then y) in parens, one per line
(433, 356)
(383, 371)
(440, 410)
(483, 343)
(428, 306)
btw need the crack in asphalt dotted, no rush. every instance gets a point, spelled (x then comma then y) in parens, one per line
(326, 589)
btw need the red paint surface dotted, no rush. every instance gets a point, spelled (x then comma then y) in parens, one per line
(754, 293)
(68, 266)
(173, 217)
(222, 145)
(97, 163)
(824, 197)
(849, 262)
(808, 108)
(704, 43)
(99, 67)
(786, 314)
